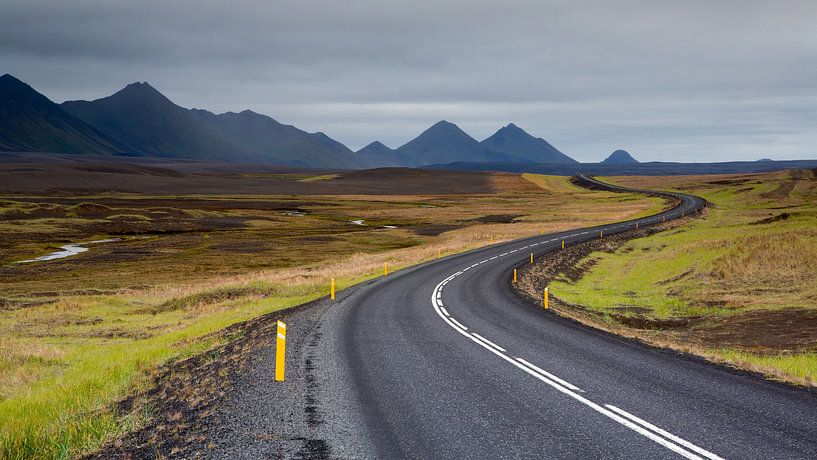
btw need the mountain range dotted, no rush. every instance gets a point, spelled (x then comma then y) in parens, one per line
(140, 121)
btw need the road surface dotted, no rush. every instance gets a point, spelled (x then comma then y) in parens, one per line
(445, 360)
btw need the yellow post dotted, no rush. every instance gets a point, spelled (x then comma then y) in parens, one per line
(601, 234)
(514, 275)
(636, 225)
(385, 268)
(438, 253)
(541, 232)
(280, 351)
(563, 244)
(332, 289)
(531, 258)
(545, 299)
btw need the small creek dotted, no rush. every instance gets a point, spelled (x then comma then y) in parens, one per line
(67, 251)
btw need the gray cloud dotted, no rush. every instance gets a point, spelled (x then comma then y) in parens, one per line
(694, 80)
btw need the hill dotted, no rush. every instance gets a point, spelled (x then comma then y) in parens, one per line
(513, 140)
(29, 121)
(619, 157)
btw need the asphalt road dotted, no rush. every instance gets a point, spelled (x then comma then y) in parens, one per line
(444, 360)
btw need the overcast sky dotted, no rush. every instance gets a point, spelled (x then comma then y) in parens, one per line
(673, 80)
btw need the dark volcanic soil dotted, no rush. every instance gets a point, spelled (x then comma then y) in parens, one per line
(88, 175)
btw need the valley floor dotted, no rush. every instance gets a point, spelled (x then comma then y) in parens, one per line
(83, 339)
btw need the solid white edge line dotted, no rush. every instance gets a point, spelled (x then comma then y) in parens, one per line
(459, 324)
(549, 375)
(445, 312)
(488, 342)
(664, 433)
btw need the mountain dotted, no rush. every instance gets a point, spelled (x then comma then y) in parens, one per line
(377, 155)
(147, 123)
(619, 157)
(277, 143)
(29, 121)
(445, 142)
(513, 140)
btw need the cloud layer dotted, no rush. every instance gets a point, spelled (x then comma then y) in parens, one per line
(686, 81)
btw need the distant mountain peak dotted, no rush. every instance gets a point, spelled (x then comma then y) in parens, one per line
(620, 157)
(9, 83)
(515, 141)
(376, 144)
(140, 89)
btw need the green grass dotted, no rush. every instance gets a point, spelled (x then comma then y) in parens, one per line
(740, 257)
(67, 359)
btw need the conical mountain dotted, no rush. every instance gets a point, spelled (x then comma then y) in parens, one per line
(619, 157)
(445, 142)
(513, 140)
(30, 122)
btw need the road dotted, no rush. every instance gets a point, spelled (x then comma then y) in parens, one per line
(445, 360)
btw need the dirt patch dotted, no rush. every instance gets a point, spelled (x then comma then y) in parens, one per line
(435, 229)
(498, 218)
(777, 218)
(786, 330)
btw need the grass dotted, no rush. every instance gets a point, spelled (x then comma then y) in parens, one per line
(754, 251)
(82, 333)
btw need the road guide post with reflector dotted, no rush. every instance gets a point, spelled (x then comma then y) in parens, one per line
(385, 269)
(545, 299)
(332, 289)
(531, 258)
(280, 351)
(514, 275)
(563, 245)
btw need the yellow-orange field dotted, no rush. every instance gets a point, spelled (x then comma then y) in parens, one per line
(81, 333)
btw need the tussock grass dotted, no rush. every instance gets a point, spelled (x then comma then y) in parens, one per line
(740, 257)
(66, 362)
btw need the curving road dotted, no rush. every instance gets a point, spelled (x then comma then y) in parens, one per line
(449, 363)
(444, 360)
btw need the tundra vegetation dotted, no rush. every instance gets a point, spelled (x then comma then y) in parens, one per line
(80, 334)
(735, 285)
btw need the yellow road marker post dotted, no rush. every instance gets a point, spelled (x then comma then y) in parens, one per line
(531, 258)
(601, 234)
(541, 232)
(514, 276)
(439, 251)
(332, 289)
(385, 269)
(563, 245)
(636, 225)
(280, 351)
(545, 299)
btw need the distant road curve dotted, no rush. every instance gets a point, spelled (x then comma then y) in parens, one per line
(446, 361)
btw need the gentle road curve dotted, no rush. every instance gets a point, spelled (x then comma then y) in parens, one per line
(444, 360)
